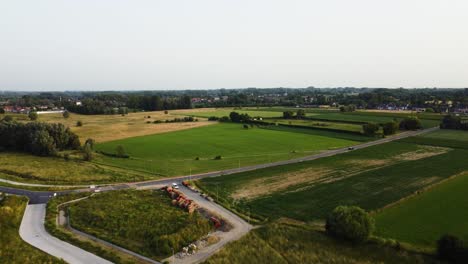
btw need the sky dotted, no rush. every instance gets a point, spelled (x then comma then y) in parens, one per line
(207, 44)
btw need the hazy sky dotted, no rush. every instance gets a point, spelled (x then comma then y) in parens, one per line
(196, 44)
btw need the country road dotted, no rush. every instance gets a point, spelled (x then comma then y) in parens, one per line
(32, 228)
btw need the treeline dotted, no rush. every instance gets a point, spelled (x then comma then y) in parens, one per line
(40, 139)
(120, 104)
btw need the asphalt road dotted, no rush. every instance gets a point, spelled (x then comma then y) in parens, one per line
(32, 227)
(32, 231)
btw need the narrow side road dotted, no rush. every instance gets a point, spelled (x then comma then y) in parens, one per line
(32, 231)
(239, 229)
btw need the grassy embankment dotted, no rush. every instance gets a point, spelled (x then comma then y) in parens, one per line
(280, 243)
(12, 248)
(142, 221)
(182, 152)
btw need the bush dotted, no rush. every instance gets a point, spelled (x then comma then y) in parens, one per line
(66, 114)
(370, 129)
(120, 151)
(246, 126)
(350, 223)
(213, 118)
(33, 115)
(452, 249)
(218, 157)
(224, 119)
(79, 123)
(410, 123)
(390, 128)
(7, 118)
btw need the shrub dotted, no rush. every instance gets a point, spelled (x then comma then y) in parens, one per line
(66, 114)
(410, 123)
(246, 126)
(218, 157)
(7, 118)
(166, 112)
(390, 128)
(33, 115)
(120, 151)
(213, 118)
(224, 119)
(452, 249)
(79, 123)
(66, 156)
(350, 223)
(370, 129)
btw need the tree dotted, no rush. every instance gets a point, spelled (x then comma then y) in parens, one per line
(350, 223)
(42, 144)
(429, 110)
(300, 114)
(451, 122)
(370, 129)
(123, 110)
(66, 114)
(90, 142)
(79, 123)
(2, 111)
(120, 151)
(32, 115)
(347, 108)
(390, 128)
(410, 123)
(87, 153)
(234, 116)
(452, 249)
(288, 114)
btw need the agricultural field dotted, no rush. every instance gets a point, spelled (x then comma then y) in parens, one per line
(423, 219)
(370, 178)
(320, 124)
(12, 248)
(57, 171)
(103, 128)
(220, 112)
(442, 137)
(194, 151)
(282, 243)
(142, 221)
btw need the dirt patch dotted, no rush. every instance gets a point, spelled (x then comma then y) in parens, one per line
(424, 152)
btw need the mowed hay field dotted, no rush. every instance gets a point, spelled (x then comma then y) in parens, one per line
(103, 128)
(22, 167)
(176, 153)
(12, 248)
(370, 178)
(282, 243)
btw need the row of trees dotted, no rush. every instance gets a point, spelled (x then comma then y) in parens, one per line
(390, 128)
(300, 114)
(41, 139)
(105, 105)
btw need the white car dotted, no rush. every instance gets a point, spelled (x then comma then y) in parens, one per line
(175, 185)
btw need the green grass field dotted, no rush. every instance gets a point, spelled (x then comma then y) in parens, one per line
(370, 178)
(281, 243)
(141, 221)
(442, 137)
(175, 153)
(12, 248)
(320, 124)
(424, 218)
(226, 111)
(23, 167)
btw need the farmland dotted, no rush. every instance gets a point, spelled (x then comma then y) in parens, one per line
(193, 151)
(53, 170)
(445, 138)
(281, 243)
(103, 128)
(424, 218)
(12, 248)
(141, 221)
(370, 178)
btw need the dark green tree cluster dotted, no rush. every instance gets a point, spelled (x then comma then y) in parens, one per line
(454, 122)
(239, 118)
(370, 129)
(37, 138)
(410, 123)
(390, 128)
(452, 249)
(350, 223)
(348, 108)
(300, 114)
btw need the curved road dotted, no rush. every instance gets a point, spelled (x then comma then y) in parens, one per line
(32, 228)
